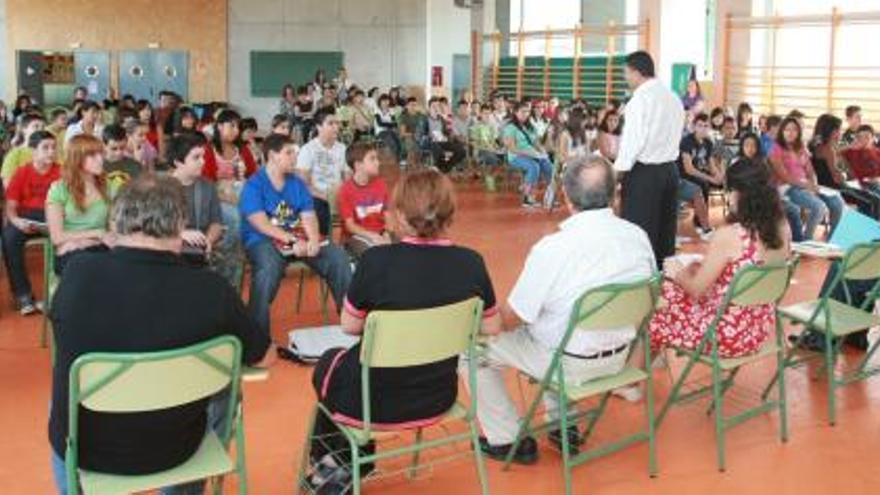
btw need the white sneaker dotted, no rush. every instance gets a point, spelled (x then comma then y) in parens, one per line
(632, 393)
(705, 233)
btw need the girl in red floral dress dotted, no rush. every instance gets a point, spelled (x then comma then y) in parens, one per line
(756, 232)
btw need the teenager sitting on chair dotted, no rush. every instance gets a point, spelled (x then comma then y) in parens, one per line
(363, 202)
(279, 226)
(400, 276)
(25, 211)
(592, 248)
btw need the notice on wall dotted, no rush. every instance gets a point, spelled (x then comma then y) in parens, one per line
(437, 76)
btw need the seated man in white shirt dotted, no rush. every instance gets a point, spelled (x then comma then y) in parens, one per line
(592, 248)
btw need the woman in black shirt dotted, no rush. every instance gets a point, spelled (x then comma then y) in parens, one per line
(423, 271)
(827, 164)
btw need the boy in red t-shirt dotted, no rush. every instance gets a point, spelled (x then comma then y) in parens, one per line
(25, 212)
(863, 158)
(363, 201)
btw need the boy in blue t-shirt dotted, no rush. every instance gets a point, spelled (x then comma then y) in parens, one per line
(279, 226)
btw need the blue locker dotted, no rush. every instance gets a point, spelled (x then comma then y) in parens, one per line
(93, 73)
(172, 72)
(136, 75)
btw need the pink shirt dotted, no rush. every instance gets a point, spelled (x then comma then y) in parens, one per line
(795, 163)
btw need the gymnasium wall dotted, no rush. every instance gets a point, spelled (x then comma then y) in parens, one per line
(383, 40)
(5, 66)
(198, 26)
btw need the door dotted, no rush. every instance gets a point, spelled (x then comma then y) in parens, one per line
(136, 73)
(92, 71)
(171, 72)
(461, 75)
(30, 74)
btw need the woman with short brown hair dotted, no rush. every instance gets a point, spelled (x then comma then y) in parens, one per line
(425, 270)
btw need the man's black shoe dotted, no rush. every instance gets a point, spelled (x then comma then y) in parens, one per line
(527, 453)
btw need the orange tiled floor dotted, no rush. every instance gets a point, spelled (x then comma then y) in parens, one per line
(818, 459)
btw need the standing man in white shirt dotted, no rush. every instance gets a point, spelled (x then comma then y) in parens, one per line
(321, 164)
(592, 248)
(654, 117)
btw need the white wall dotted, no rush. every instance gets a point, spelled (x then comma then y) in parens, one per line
(383, 40)
(5, 65)
(449, 33)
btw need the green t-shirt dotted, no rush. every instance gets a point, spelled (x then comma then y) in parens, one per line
(523, 140)
(94, 217)
(16, 157)
(484, 136)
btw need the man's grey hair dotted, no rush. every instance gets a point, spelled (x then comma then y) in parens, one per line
(589, 183)
(150, 205)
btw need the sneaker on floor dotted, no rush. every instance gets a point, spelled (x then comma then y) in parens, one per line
(632, 393)
(705, 233)
(41, 307)
(574, 439)
(527, 453)
(529, 202)
(27, 306)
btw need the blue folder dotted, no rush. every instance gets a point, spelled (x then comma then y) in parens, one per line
(854, 228)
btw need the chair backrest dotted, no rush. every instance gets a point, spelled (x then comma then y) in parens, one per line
(615, 305)
(760, 284)
(137, 382)
(862, 262)
(394, 339)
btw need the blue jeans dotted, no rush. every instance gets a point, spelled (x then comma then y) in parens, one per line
(533, 168)
(817, 206)
(216, 421)
(793, 215)
(267, 270)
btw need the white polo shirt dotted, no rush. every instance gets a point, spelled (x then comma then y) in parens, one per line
(592, 248)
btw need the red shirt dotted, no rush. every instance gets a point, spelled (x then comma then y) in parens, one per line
(366, 205)
(28, 187)
(865, 162)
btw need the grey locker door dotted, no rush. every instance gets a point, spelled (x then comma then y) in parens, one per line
(30, 74)
(461, 75)
(171, 72)
(136, 73)
(93, 73)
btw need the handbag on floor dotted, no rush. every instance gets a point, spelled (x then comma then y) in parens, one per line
(307, 345)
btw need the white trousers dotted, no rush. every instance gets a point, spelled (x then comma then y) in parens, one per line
(496, 410)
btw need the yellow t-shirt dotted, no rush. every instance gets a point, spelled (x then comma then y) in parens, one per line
(16, 157)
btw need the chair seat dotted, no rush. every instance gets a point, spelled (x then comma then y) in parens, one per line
(627, 376)
(457, 412)
(768, 349)
(209, 460)
(844, 318)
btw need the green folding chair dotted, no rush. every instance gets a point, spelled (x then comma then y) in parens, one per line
(50, 281)
(752, 285)
(136, 382)
(396, 339)
(601, 308)
(836, 320)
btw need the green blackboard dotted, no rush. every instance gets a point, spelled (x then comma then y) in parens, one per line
(270, 71)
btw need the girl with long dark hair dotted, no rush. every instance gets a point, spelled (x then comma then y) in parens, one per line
(524, 152)
(755, 233)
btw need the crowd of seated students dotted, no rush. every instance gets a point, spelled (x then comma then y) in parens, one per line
(269, 203)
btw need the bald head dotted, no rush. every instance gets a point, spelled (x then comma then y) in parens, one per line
(589, 183)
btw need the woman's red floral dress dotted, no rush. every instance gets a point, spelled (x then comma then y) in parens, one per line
(683, 321)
